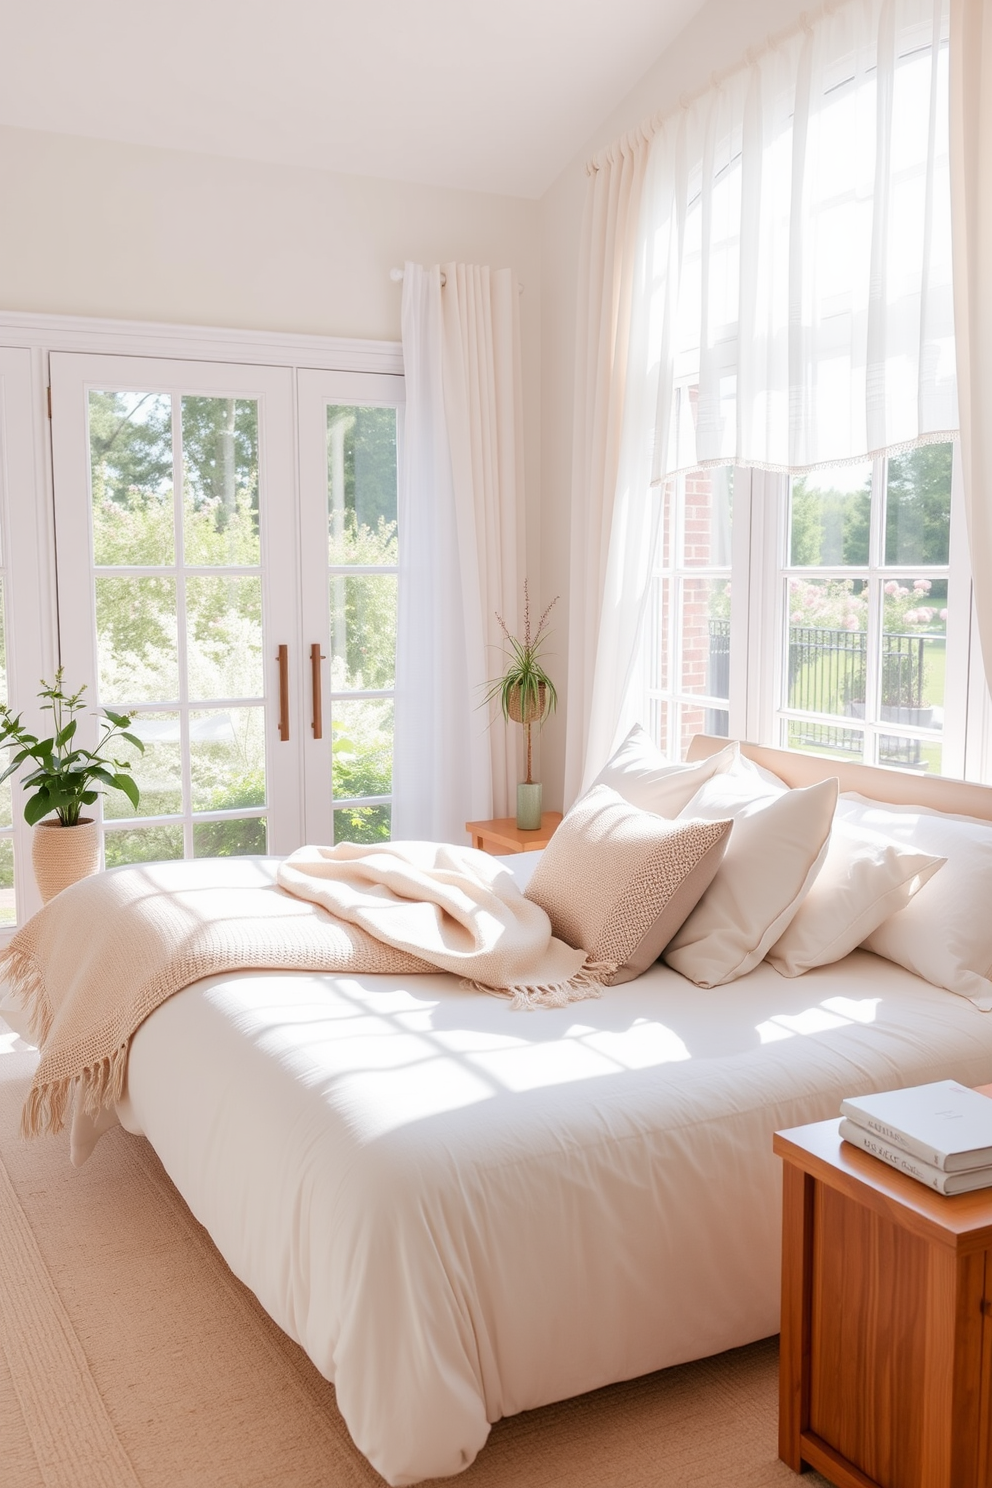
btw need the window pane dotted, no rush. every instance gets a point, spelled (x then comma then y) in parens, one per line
(8, 902)
(918, 505)
(227, 759)
(136, 640)
(224, 637)
(910, 754)
(158, 772)
(362, 748)
(131, 478)
(363, 631)
(829, 517)
(6, 798)
(229, 839)
(827, 646)
(706, 525)
(914, 651)
(818, 738)
(143, 845)
(361, 483)
(706, 636)
(220, 481)
(362, 824)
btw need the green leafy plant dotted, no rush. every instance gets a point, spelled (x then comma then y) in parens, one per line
(524, 691)
(67, 777)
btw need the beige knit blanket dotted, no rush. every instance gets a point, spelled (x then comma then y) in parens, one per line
(90, 967)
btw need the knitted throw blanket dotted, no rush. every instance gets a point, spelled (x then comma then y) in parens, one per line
(90, 967)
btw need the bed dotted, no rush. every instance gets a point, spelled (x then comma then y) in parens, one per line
(462, 1211)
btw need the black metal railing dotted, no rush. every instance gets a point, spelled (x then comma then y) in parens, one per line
(827, 674)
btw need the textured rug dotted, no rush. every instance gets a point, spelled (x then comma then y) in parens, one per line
(130, 1357)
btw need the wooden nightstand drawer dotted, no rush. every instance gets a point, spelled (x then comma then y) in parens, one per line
(886, 1334)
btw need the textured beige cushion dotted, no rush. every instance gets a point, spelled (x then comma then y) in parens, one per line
(866, 878)
(644, 776)
(778, 846)
(617, 882)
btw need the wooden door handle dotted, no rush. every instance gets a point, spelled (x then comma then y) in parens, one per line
(283, 659)
(315, 677)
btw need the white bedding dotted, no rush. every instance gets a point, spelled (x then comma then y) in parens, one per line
(462, 1212)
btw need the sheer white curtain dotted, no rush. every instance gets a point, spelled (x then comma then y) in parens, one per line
(971, 177)
(606, 278)
(460, 501)
(793, 304)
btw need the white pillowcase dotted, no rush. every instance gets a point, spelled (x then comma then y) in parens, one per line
(640, 773)
(865, 878)
(945, 933)
(777, 847)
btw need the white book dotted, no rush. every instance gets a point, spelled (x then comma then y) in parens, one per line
(945, 1123)
(924, 1172)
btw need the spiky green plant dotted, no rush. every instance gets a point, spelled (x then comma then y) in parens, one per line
(524, 691)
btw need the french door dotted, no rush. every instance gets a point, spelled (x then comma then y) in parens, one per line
(226, 572)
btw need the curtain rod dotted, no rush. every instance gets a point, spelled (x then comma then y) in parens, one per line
(397, 277)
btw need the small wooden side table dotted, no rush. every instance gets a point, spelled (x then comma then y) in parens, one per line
(886, 1355)
(503, 836)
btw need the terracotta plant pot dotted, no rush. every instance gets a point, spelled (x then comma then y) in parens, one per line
(63, 855)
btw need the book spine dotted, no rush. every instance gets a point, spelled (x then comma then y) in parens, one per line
(905, 1162)
(892, 1134)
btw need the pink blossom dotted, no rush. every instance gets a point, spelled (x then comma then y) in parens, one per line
(796, 617)
(922, 586)
(943, 614)
(892, 587)
(911, 617)
(925, 614)
(851, 623)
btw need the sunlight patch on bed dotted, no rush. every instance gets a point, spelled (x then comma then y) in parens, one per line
(833, 1012)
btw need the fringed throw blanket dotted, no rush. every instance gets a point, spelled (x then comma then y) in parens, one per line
(90, 967)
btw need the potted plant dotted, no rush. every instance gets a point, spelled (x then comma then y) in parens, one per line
(526, 695)
(66, 778)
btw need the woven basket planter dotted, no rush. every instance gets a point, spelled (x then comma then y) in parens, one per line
(63, 855)
(535, 705)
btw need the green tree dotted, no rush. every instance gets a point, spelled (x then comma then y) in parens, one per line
(918, 513)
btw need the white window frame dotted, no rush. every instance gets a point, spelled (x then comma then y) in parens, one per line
(759, 628)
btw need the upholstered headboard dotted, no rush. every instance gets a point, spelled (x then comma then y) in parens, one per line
(898, 787)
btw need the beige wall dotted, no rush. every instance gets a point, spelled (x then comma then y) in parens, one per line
(134, 233)
(717, 37)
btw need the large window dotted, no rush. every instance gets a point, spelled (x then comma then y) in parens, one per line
(827, 612)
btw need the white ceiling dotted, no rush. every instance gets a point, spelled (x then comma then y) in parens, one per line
(491, 95)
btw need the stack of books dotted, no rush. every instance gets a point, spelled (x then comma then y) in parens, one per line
(940, 1134)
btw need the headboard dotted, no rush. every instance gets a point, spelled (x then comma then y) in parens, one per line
(898, 787)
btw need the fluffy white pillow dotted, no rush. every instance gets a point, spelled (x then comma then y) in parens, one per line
(865, 878)
(640, 773)
(945, 933)
(777, 847)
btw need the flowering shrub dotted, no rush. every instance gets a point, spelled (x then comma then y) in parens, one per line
(842, 604)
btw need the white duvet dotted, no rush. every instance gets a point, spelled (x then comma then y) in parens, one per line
(462, 1212)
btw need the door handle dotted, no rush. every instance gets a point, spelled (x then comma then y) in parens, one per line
(283, 659)
(315, 675)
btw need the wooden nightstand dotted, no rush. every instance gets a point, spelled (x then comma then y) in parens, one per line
(504, 836)
(886, 1321)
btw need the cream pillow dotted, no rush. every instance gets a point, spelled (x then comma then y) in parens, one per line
(945, 932)
(865, 878)
(617, 882)
(640, 773)
(776, 849)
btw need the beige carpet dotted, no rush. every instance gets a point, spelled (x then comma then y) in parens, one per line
(131, 1358)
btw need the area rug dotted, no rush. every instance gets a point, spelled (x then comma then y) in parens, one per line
(130, 1357)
